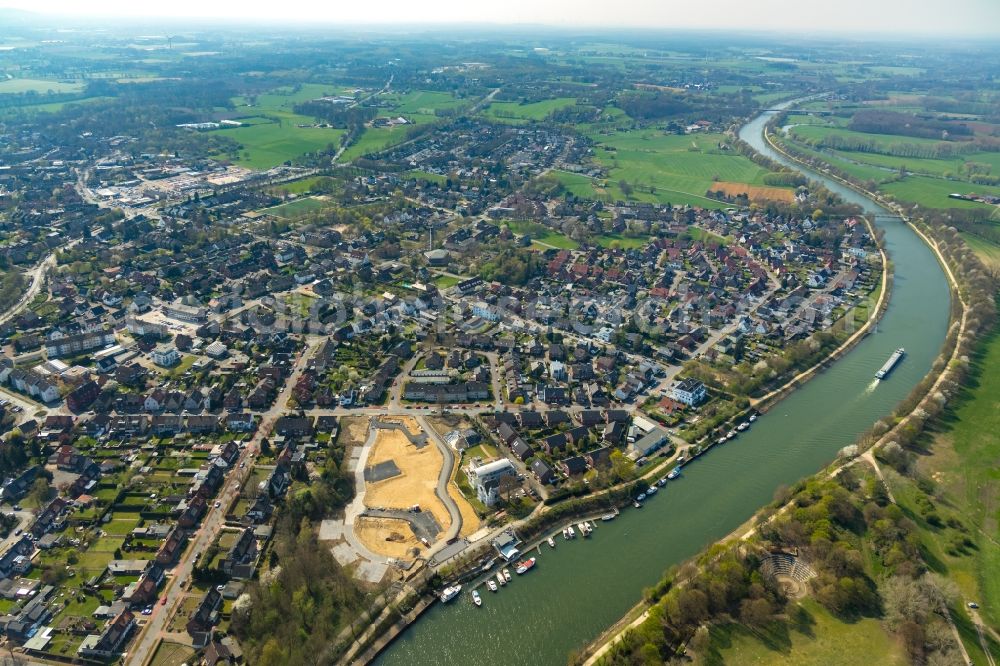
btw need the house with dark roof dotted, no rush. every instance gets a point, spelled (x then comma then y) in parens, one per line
(204, 617)
(239, 562)
(521, 449)
(573, 466)
(542, 471)
(109, 642)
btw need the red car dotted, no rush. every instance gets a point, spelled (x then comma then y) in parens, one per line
(163, 601)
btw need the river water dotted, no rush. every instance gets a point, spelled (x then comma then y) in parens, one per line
(583, 586)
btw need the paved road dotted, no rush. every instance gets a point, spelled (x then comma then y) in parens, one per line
(37, 277)
(444, 479)
(180, 578)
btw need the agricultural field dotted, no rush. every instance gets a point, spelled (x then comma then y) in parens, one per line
(373, 140)
(273, 133)
(420, 106)
(521, 113)
(268, 144)
(670, 168)
(40, 86)
(814, 638)
(756, 193)
(933, 192)
(988, 253)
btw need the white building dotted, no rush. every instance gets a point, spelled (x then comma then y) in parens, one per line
(166, 356)
(690, 392)
(486, 479)
(486, 311)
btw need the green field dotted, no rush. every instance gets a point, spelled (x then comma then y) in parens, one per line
(813, 638)
(373, 140)
(515, 111)
(296, 207)
(933, 192)
(623, 242)
(425, 175)
(271, 134)
(579, 185)
(988, 253)
(40, 86)
(963, 461)
(267, 145)
(420, 106)
(670, 168)
(544, 237)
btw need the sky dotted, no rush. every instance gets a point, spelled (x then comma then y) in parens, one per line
(933, 17)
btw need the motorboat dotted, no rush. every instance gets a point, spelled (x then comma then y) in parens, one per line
(450, 593)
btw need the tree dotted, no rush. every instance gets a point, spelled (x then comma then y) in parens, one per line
(756, 613)
(39, 493)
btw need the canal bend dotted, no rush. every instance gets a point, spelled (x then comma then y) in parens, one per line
(581, 587)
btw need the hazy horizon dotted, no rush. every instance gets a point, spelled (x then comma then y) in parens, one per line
(974, 18)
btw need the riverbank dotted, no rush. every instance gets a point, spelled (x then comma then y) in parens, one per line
(577, 592)
(639, 613)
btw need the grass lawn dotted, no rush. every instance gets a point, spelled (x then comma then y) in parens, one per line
(543, 236)
(41, 86)
(963, 463)
(446, 281)
(425, 175)
(671, 168)
(187, 360)
(624, 242)
(814, 638)
(579, 185)
(296, 207)
(507, 111)
(172, 654)
(988, 253)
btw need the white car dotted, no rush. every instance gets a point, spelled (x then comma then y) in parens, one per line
(218, 504)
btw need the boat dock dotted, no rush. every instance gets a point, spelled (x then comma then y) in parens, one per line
(890, 364)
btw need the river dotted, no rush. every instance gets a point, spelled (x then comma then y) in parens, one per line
(583, 586)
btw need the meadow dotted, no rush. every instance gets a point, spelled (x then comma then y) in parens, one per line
(543, 237)
(271, 134)
(269, 144)
(296, 207)
(671, 168)
(517, 112)
(813, 637)
(40, 86)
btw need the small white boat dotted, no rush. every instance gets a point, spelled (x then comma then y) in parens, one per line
(722, 440)
(476, 599)
(566, 534)
(500, 578)
(552, 543)
(506, 574)
(674, 473)
(572, 532)
(450, 593)
(492, 585)
(637, 504)
(743, 426)
(641, 496)
(583, 528)
(525, 566)
(731, 434)
(609, 516)
(753, 417)
(651, 491)
(662, 482)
